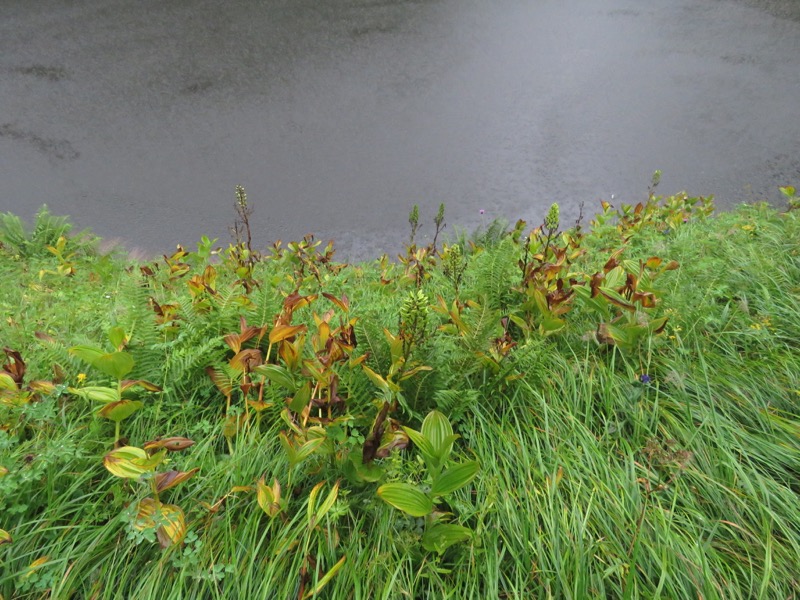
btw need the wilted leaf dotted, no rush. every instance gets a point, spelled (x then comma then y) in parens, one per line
(269, 498)
(131, 383)
(344, 303)
(170, 479)
(131, 462)
(407, 498)
(173, 444)
(282, 332)
(169, 518)
(246, 360)
(5, 537)
(35, 565)
(7, 382)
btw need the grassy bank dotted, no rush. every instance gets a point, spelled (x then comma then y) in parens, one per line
(623, 400)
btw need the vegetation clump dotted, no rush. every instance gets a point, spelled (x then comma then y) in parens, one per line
(607, 410)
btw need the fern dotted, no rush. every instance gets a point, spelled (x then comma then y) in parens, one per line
(493, 274)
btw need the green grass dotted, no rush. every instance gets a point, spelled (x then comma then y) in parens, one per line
(595, 482)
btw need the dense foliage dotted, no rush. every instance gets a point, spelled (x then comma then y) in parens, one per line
(607, 411)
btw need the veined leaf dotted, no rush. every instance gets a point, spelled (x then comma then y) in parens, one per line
(120, 410)
(170, 479)
(278, 375)
(172, 444)
(301, 398)
(130, 462)
(131, 383)
(113, 364)
(440, 537)
(436, 427)
(169, 518)
(117, 337)
(423, 445)
(96, 393)
(282, 332)
(269, 498)
(454, 478)
(7, 382)
(407, 498)
(327, 504)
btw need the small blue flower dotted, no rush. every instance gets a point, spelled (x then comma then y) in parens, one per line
(645, 378)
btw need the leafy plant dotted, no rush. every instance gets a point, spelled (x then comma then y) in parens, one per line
(115, 364)
(434, 442)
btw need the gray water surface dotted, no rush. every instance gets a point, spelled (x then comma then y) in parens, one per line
(139, 117)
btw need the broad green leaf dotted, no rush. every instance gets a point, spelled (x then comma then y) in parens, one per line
(117, 337)
(407, 498)
(436, 427)
(301, 398)
(114, 364)
(120, 410)
(278, 375)
(423, 445)
(454, 478)
(440, 537)
(96, 393)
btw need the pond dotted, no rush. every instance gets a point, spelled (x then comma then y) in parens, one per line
(139, 118)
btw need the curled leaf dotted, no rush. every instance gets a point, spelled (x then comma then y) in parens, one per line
(172, 444)
(170, 479)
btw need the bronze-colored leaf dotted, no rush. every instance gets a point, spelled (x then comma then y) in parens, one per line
(653, 262)
(41, 335)
(221, 380)
(171, 444)
(130, 383)
(342, 303)
(14, 365)
(170, 479)
(246, 360)
(282, 332)
(373, 441)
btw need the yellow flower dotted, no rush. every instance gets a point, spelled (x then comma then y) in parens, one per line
(81, 377)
